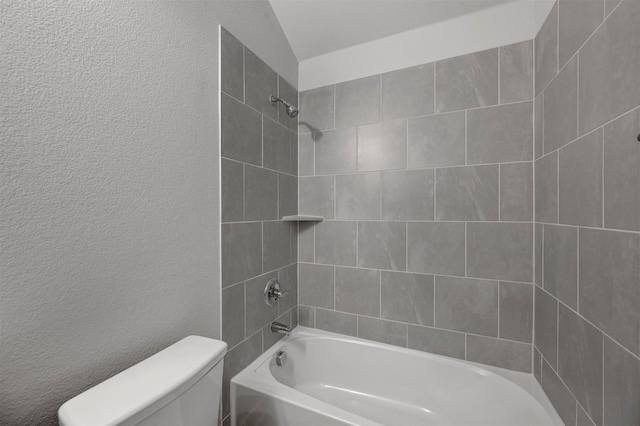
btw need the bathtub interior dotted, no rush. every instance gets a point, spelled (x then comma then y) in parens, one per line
(345, 377)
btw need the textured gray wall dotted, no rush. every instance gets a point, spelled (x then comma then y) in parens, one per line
(259, 149)
(587, 173)
(110, 212)
(425, 178)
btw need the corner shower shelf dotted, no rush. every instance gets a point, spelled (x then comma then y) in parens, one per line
(302, 218)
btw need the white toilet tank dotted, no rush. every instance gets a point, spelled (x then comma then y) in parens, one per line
(181, 385)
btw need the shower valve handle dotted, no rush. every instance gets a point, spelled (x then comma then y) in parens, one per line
(272, 292)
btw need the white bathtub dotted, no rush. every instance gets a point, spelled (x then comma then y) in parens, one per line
(330, 379)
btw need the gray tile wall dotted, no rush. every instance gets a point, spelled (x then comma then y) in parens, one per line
(425, 179)
(587, 211)
(259, 175)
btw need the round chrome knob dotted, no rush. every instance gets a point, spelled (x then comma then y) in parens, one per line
(281, 358)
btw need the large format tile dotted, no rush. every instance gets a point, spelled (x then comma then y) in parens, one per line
(561, 108)
(287, 195)
(336, 243)
(382, 146)
(516, 192)
(260, 194)
(546, 177)
(358, 101)
(609, 291)
(232, 190)
(467, 305)
(516, 72)
(335, 151)
(538, 229)
(260, 82)
(382, 245)
(609, 82)
(358, 291)
(258, 314)
(546, 54)
(337, 322)
(537, 365)
(294, 153)
(500, 353)
(467, 193)
(306, 242)
(467, 81)
(546, 329)
(436, 248)
(408, 92)
(516, 311)
(276, 245)
(580, 181)
(578, 20)
(407, 195)
(358, 196)
(306, 157)
(441, 342)
(561, 263)
(500, 251)
(558, 394)
(500, 134)
(288, 277)
(276, 146)
(315, 286)
(437, 140)
(236, 360)
(317, 196)
(407, 297)
(231, 65)
(393, 333)
(580, 360)
(233, 314)
(538, 125)
(621, 386)
(307, 316)
(316, 110)
(622, 172)
(241, 241)
(241, 131)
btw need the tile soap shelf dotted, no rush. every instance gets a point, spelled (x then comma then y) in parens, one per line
(302, 218)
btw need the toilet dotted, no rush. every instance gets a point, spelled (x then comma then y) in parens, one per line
(180, 385)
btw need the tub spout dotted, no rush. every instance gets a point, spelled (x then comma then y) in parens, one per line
(277, 327)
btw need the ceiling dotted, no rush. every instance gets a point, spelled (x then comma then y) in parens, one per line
(316, 27)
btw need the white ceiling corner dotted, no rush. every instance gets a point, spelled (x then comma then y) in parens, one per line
(325, 33)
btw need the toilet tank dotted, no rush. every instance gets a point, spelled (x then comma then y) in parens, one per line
(180, 385)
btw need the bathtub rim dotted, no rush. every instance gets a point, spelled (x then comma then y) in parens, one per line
(253, 375)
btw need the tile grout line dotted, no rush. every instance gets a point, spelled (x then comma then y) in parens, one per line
(499, 97)
(594, 326)
(602, 181)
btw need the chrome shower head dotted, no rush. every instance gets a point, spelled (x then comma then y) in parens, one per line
(292, 111)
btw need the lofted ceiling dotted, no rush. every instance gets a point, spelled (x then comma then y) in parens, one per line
(317, 27)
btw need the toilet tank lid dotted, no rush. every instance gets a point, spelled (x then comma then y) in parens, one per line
(146, 386)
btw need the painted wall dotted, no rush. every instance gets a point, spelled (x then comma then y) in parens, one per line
(259, 149)
(516, 20)
(587, 168)
(425, 179)
(110, 212)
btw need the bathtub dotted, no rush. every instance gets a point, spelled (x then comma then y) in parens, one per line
(331, 379)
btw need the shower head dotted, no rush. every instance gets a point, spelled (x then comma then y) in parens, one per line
(292, 111)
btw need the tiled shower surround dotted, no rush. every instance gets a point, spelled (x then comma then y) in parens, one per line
(259, 185)
(425, 179)
(587, 179)
(484, 207)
